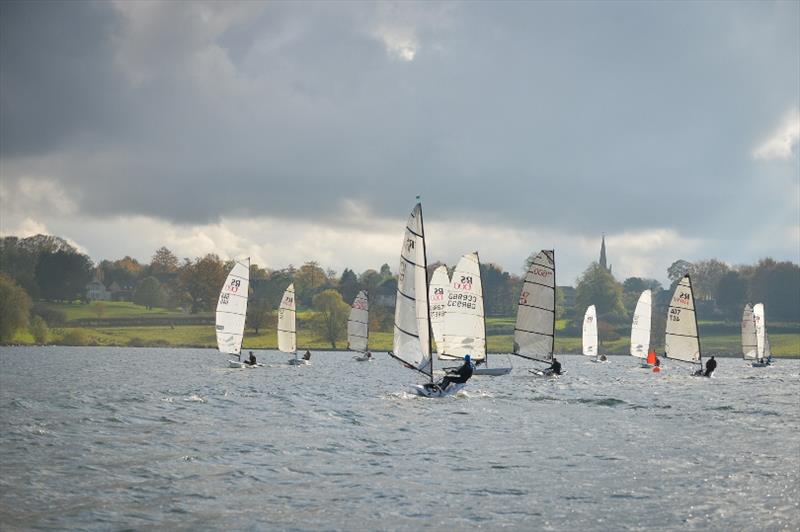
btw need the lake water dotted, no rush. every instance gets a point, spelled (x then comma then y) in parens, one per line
(104, 439)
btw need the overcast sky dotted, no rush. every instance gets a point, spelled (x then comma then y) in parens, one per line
(303, 131)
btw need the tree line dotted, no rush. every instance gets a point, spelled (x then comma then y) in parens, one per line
(47, 268)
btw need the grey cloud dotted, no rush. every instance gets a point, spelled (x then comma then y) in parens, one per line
(580, 116)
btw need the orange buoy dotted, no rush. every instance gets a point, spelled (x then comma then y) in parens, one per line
(656, 369)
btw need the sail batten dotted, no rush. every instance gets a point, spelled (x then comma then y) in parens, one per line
(287, 330)
(358, 323)
(231, 312)
(411, 319)
(534, 332)
(681, 339)
(640, 325)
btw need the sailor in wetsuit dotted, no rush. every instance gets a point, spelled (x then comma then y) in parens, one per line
(711, 365)
(555, 367)
(252, 360)
(307, 355)
(461, 375)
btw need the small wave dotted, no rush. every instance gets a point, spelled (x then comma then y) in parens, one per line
(543, 398)
(19, 403)
(608, 401)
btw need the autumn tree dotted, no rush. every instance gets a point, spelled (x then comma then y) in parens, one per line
(309, 280)
(163, 261)
(63, 275)
(202, 280)
(777, 285)
(705, 277)
(149, 293)
(15, 306)
(731, 294)
(348, 285)
(330, 319)
(259, 315)
(677, 270)
(596, 286)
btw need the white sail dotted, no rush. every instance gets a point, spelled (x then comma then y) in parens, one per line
(681, 339)
(358, 323)
(762, 343)
(232, 309)
(464, 331)
(590, 332)
(534, 332)
(437, 294)
(411, 318)
(749, 336)
(640, 326)
(287, 336)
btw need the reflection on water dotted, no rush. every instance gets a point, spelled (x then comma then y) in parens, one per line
(100, 438)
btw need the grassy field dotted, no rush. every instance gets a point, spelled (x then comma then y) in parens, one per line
(716, 337)
(113, 309)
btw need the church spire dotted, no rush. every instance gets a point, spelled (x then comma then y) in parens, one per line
(603, 261)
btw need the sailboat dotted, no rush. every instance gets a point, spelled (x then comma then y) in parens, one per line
(287, 333)
(464, 331)
(640, 330)
(749, 336)
(762, 338)
(231, 313)
(680, 338)
(535, 330)
(412, 320)
(437, 295)
(358, 327)
(590, 334)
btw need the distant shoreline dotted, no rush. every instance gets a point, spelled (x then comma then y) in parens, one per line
(340, 350)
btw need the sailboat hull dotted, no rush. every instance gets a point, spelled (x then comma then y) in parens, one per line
(491, 372)
(235, 364)
(424, 391)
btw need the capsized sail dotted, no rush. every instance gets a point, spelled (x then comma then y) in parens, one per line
(534, 332)
(437, 293)
(681, 339)
(411, 317)
(358, 323)
(640, 326)
(749, 335)
(464, 331)
(232, 308)
(287, 336)
(590, 332)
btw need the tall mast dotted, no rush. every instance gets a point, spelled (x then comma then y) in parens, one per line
(483, 302)
(555, 287)
(696, 327)
(427, 302)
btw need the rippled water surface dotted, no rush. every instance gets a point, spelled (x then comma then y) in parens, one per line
(99, 438)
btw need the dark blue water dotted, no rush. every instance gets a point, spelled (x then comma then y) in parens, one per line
(102, 439)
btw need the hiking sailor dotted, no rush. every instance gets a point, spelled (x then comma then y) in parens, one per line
(460, 376)
(711, 365)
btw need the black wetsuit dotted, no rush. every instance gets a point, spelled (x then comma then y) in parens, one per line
(555, 367)
(711, 365)
(463, 374)
(251, 361)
